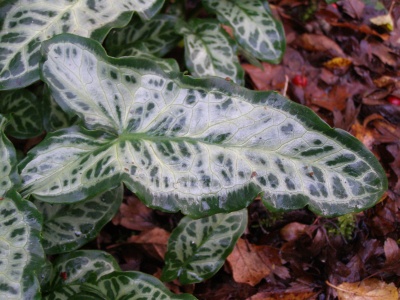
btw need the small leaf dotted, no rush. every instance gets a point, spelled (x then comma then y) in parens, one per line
(22, 255)
(67, 227)
(25, 118)
(209, 51)
(199, 146)
(81, 266)
(197, 248)
(255, 28)
(134, 285)
(25, 24)
(157, 35)
(8, 172)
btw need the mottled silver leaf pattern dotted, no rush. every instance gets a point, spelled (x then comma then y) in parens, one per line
(21, 254)
(194, 145)
(26, 23)
(254, 26)
(197, 248)
(209, 51)
(136, 286)
(157, 35)
(68, 227)
(8, 171)
(25, 117)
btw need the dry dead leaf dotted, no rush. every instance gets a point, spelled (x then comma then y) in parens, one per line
(251, 263)
(369, 289)
(392, 251)
(272, 77)
(283, 296)
(153, 242)
(354, 8)
(134, 215)
(385, 21)
(338, 63)
(292, 231)
(317, 42)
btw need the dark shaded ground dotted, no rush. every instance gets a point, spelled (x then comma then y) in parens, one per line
(346, 69)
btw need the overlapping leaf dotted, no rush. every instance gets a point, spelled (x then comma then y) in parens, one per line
(255, 28)
(8, 172)
(72, 270)
(135, 285)
(67, 227)
(197, 248)
(209, 51)
(21, 254)
(200, 146)
(26, 23)
(25, 117)
(157, 35)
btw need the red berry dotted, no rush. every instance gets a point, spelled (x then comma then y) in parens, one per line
(334, 5)
(394, 100)
(300, 80)
(64, 275)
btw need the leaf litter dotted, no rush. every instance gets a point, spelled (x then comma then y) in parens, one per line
(343, 64)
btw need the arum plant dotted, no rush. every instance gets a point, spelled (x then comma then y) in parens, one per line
(203, 146)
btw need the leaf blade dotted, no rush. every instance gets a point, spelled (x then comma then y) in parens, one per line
(209, 51)
(25, 24)
(197, 248)
(255, 28)
(22, 254)
(201, 146)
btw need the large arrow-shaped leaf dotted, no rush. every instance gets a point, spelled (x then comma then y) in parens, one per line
(196, 145)
(21, 255)
(24, 24)
(255, 28)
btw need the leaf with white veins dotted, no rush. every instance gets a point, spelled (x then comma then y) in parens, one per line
(209, 51)
(69, 226)
(197, 248)
(201, 146)
(254, 26)
(24, 24)
(157, 35)
(22, 106)
(21, 254)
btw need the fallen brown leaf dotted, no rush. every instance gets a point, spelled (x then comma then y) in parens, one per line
(354, 8)
(292, 231)
(251, 263)
(153, 242)
(369, 289)
(134, 215)
(317, 42)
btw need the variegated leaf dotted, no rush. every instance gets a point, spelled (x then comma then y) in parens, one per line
(8, 170)
(140, 51)
(209, 51)
(21, 254)
(197, 248)
(26, 23)
(134, 286)
(157, 35)
(25, 117)
(67, 227)
(254, 26)
(200, 146)
(53, 116)
(80, 266)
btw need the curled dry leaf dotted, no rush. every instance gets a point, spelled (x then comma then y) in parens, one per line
(369, 289)
(251, 263)
(292, 231)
